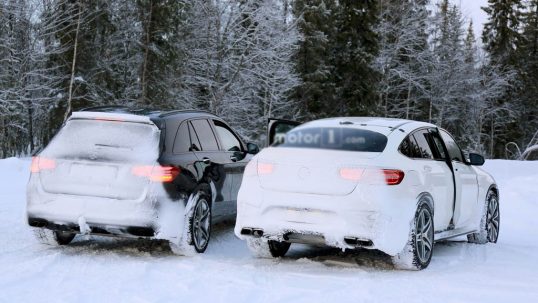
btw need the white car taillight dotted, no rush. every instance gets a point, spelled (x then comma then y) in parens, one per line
(40, 164)
(255, 168)
(265, 168)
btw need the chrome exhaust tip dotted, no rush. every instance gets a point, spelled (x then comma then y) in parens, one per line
(246, 231)
(257, 233)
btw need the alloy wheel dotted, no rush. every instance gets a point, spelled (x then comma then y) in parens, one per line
(493, 219)
(424, 235)
(201, 224)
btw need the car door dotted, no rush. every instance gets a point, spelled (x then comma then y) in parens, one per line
(277, 129)
(179, 154)
(213, 163)
(466, 202)
(436, 174)
(234, 148)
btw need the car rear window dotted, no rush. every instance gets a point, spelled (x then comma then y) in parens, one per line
(347, 139)
(105, 141)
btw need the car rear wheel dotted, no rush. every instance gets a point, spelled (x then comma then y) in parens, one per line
(200, 225)
(54, 238)
(197, 234)
(418, 251)
(490, 222)
(267, 249)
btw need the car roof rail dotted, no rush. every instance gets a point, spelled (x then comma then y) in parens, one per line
(103, 107)
(144, 111)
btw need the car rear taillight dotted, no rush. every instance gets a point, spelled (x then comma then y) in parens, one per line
(265, 168)
(352, 174)
(393, 176)
(372, 175)
(158, 173)
(40, 164)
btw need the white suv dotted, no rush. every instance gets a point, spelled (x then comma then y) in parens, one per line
(388, 184)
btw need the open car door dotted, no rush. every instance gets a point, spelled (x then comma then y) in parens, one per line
(277, 128)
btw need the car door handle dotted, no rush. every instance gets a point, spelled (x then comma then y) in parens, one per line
(427, 168)
(233, 158)
(206, 160)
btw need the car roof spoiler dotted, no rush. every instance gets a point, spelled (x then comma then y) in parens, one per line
(118, 117)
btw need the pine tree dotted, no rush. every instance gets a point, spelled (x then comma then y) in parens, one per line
(501, 34)
(312, 61)
(162, 23)
(502, 40)
(353, 53)
(528, 123)
(404, 58)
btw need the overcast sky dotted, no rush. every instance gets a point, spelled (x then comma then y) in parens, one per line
(471, 10)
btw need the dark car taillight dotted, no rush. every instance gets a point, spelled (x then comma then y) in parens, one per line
(158, 173)
(393, 176)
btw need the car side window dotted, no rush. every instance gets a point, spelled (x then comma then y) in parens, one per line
(182, 142)
(195, 143)
(454, 150)
(205, 135)
(409, 147)
(439, 151)
(424, 151)
(229, 141)
(405, 147)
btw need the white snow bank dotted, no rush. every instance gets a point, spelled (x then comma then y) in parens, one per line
(112, 270)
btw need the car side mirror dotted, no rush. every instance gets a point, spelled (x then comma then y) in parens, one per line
(476, 159)
(252, 148)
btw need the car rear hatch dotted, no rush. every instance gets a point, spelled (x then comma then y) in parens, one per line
(325, 160)
(311, 171)
(98, 155)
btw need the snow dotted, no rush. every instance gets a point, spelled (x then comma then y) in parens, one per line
(112, 270)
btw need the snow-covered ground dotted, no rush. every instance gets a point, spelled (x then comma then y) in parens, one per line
(111, 270)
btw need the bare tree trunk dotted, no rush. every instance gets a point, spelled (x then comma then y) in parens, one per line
(285, 4)
(386, 105)
(144, 80)
(491, 138)
(408, 101)
(73, 65)
(4, 136)
(430, 113)
(31, 125)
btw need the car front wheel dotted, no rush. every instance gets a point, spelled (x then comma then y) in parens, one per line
(490, 222)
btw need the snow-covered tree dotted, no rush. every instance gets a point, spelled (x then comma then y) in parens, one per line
(238, 62)
(404, 58)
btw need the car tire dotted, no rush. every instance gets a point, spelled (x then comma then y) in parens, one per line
(51, 237)
(489, 223)
(267, 249)
(197, 232)
(418, 251)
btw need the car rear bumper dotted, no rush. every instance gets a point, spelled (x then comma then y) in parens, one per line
(373, 218)
(152, 216)
(95, 229)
